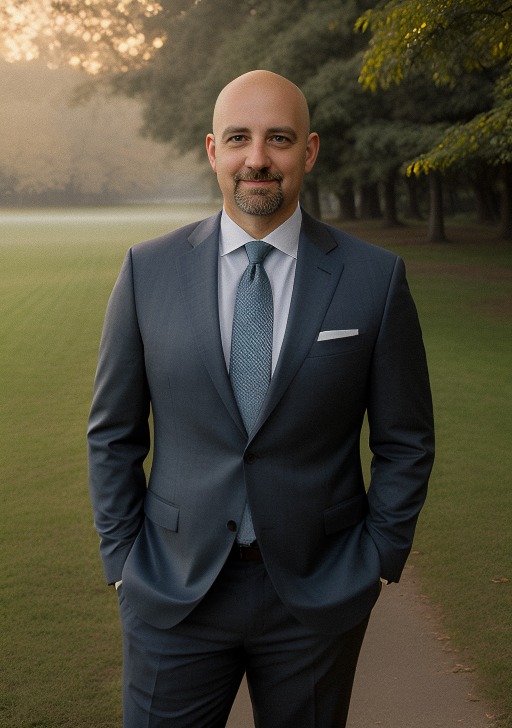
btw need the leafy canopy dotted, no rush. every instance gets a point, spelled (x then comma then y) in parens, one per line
(447, 40)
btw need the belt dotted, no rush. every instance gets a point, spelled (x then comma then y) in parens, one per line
(251, 552)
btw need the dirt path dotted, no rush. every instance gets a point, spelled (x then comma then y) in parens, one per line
(407, 677)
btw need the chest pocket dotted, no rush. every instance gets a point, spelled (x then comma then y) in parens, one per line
(342, 345)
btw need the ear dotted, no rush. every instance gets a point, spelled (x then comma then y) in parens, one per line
(210, 150)
(312, 148)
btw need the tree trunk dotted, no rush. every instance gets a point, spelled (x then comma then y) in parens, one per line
(506, 204)
(310, 198)
(347, 201)
(413, 205)
(370, 203)
(390, 213)
(485, 201)
(436, 232)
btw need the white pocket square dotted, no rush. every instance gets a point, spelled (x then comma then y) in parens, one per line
(337, 334)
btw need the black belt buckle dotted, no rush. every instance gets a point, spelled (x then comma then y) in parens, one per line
(249, 552)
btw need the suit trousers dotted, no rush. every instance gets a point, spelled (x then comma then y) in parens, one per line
(188, 676)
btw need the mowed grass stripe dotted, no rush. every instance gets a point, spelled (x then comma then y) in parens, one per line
(59, 643)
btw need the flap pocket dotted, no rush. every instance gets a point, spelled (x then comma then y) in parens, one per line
(345, 514)
(161, 512)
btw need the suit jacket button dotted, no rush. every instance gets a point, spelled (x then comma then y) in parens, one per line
(250, 458)
(232, 525)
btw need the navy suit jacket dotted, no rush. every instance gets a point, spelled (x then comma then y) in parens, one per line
(325, 537)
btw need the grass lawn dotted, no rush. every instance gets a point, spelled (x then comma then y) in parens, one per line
(59, 643)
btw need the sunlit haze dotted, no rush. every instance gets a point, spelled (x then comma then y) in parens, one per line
(94, 35)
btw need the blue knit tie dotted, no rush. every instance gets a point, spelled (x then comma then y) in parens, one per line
(251, 348)
(251, 343)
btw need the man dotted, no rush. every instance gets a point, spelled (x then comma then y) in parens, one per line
(255, 547)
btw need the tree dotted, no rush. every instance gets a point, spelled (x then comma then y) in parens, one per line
(96, 35)
(177, 94)
(450, 41)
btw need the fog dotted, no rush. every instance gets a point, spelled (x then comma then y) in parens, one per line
(56, 152)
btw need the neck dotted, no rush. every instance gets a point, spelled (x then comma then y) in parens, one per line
(258, 226)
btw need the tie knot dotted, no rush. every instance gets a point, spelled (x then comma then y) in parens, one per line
(257, 250)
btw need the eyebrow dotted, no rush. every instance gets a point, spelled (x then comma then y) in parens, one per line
(285, 130)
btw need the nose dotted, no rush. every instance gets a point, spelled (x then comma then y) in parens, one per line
(257, 155)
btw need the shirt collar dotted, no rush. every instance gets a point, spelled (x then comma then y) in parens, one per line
(285, 238)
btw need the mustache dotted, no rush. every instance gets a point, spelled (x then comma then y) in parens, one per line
(258, 177)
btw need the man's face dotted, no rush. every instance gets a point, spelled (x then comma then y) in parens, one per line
(260, 150)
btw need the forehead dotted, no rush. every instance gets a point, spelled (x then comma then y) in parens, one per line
(260, 107)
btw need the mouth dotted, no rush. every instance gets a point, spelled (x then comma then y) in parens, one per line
(258, 180)
(257, 184)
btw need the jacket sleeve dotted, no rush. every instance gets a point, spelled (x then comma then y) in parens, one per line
(118, 431)
(401, 428)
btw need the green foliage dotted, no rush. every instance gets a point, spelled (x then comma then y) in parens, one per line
(447, 38)
(487, 137)
(384, 144)
(447, 41)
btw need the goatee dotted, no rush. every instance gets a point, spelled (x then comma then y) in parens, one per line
(258, 201)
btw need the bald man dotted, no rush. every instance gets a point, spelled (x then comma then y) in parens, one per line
(259, 339)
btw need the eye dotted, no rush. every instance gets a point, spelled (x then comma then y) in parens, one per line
(237, 138)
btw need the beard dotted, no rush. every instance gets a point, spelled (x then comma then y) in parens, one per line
(258, 201)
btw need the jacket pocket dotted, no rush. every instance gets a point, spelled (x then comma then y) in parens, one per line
(161, 512)
(345, 514)
(331, 347)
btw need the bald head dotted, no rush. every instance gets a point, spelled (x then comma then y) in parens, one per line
(253, 87)
(260, 149)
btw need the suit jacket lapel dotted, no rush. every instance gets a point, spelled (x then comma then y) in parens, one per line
(316, 278)
(198, 270)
